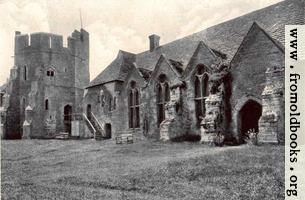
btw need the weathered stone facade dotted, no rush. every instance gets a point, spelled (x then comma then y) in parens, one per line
(213, 84)
(46, 85)
(209, 84)
(272, 121)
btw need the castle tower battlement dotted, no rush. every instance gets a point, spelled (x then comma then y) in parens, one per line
(48, 77)
(77, 43)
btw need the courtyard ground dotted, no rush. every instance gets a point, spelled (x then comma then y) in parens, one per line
(88, 169)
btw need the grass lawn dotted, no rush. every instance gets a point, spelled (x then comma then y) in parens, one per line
(88, 169)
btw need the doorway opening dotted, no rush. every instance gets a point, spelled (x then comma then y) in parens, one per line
(67, 118)
(249, 116)
(108, 130)
(89, 111)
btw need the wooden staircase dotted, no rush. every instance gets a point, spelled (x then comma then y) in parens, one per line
(89, 125)
(96, 127)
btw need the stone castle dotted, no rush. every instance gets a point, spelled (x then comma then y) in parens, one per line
(218, 83)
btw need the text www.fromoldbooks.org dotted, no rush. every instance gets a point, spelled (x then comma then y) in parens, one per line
(294, 111)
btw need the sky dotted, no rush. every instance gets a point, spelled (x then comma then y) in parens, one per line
(113, 25)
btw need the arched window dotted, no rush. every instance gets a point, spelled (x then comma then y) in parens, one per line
(201, 92)
(46, 104)
(24, 73)
(163, 96)
(134, 106)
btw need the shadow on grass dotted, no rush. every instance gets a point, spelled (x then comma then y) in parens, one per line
(187, 138)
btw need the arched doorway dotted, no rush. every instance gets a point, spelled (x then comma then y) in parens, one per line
(108, 130)
(249, 116)
(89, 111)
(67, 118)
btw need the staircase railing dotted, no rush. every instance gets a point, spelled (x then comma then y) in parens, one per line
(97, 123)
(89, 124)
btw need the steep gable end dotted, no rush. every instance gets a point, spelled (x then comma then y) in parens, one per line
(255, 33)
(135, 74)
(117, 70)
(163, 66)
(202, 55)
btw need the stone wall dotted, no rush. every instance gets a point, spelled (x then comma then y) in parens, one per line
(256, 54)
(36, 56)
(271, 124)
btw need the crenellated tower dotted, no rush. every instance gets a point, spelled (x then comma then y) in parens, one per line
(49, 80)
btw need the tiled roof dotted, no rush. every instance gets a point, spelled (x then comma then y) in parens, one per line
(3, 87)
(117, 70)
(145, 73)
(224, 39)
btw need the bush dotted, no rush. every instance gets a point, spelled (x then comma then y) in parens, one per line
(251, 137)
(219, 140)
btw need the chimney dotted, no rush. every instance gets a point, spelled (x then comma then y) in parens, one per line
(153, 42)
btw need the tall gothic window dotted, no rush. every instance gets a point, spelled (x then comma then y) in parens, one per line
(201, 92)
(163, 96)
(134, 106)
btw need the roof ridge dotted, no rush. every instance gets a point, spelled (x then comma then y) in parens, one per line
(221, 23)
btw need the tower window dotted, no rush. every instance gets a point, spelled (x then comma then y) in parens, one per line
(46, 104)
(24, 73)
(50, 73)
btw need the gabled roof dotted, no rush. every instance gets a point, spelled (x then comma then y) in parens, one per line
(133, 72)
(254, 30)
(3, 87)
(163, 60)
(145, 73)
(117, 70)
(223, 39)
(202, 55)
(226, 37)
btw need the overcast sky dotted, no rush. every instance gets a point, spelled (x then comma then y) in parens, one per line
(113, 24)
